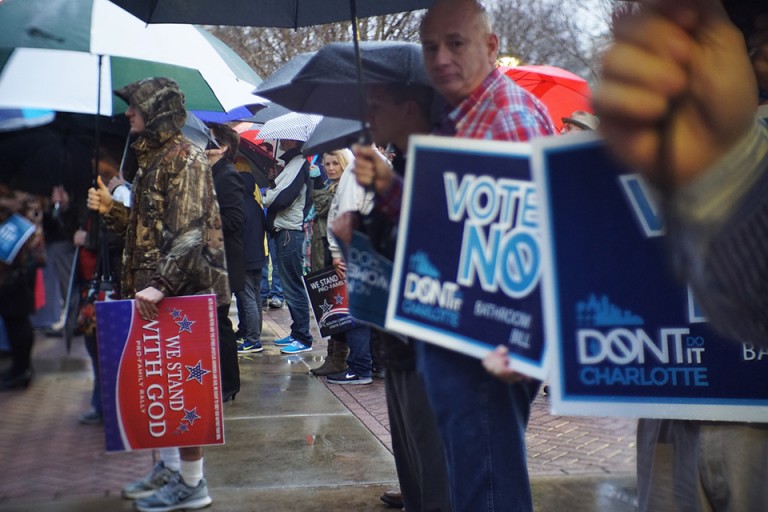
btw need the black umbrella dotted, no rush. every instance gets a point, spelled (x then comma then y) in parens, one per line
(260, 160)
(330, 134)
(326, 82)
(271, 111)
(264, 13)
(272, 13)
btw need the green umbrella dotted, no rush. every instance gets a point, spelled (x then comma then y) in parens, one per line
(63, 55)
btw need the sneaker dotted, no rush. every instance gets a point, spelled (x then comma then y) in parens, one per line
(264, 303)
(275, 303)
(158, 477)
(92, 417)
(176, 495)
(249, 347)
(284, 341)
(348, 377)
(295, 347)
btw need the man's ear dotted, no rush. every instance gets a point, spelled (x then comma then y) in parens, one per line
(493, 48)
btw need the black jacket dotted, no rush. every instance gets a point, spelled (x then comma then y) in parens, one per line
(254, 228)
(391, 352)
(229, 192)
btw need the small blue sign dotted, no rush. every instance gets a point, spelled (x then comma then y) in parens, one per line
(368, 278)
(628, 339)
(14, 232)
(467, 268)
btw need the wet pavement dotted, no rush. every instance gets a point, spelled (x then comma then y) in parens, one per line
(293, 443)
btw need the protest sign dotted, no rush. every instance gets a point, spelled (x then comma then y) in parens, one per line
(328, 297)
(467, 267)
(368, 278)
(160, 382)
(14, 232)
(627, 338)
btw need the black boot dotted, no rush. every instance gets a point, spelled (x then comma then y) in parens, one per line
(16, 381)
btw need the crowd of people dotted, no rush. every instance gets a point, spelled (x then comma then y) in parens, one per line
(678, 101)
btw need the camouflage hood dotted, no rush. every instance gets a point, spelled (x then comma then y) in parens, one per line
(161, 102)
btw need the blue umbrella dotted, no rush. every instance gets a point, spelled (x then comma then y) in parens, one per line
(18, 118)
(242, 113)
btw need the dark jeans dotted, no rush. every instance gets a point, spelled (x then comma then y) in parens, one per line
(289, 259)
(482, 423)
(249, 307)
(230, 368)
(276, 290)
(359, 358)
(21, 338)
(416, 445)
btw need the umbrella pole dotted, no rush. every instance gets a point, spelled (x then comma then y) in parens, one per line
(97, 127)
(69, 319)
(365, 137)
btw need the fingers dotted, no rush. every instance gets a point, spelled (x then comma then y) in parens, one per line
(644, 70)
(372, 168)
(341, 268)
(92, 200)
(496, 363)
(99, 199)
(100, 184)
(147, 310)
(147, 301)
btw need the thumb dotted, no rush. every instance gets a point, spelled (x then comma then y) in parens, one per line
(101, 184)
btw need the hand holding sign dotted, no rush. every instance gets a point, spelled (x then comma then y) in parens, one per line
(496, 363)
(147, 300)
(688, 55)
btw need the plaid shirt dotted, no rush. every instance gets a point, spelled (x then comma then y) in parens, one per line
(497, 109)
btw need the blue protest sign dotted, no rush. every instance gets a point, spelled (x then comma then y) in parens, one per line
(368, 277)
(467, 267)
(627, 338)
(14, 232)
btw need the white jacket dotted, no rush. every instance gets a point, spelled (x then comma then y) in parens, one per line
(349, 197)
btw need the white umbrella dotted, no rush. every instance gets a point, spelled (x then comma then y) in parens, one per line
(49, 58)
(293, 126)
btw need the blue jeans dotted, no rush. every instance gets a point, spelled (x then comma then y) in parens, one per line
(482, 423)
(359, 358)
(249, 307)
(289, 260)
(276, 290)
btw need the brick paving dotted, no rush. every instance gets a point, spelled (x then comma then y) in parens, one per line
(47, 453)
(557, 445)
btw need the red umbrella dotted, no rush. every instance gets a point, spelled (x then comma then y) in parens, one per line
(561, 91)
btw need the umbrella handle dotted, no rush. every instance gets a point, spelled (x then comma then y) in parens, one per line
(365, 137)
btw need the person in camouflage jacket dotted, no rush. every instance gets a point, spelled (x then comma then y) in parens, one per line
(173, 234)
(174, 245)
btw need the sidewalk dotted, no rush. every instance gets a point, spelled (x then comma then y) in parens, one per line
(293, 443)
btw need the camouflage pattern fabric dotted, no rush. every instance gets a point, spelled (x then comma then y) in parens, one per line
(173, 233)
